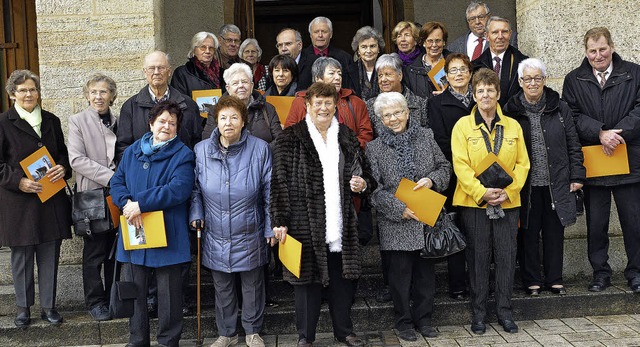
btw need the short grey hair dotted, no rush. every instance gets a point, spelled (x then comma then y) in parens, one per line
(98, 77)
(496, 19)
(532, 63)
(228, 28)
(198, 39)
(389, 99)
(165, 55)
(319, 20)
(474, 5)
(366, 33)
(295, 32)
(235, 69)
(18, 77)
(321, 64)
(391, 60)
(247, 42)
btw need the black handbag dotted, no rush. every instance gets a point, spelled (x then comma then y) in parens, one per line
(494, 176)
(90, 212)
(444, 239)
(123, 294)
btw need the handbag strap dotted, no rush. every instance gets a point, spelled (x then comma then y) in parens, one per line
(112, 255)
(498, 139)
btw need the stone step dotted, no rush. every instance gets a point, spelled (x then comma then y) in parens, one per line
(368, 315)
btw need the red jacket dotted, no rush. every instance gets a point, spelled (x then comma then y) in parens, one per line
(358, 120)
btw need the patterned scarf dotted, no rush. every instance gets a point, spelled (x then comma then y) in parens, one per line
(369, 89)
(464, 99)
(402, 144)
(212, 71)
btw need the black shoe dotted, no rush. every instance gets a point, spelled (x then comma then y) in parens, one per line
(509, 326)
(304, 343)
(52, 316)
(152, 310)
(186, 311)
(23, 317)
(384, 295)
(100, 313)
(559, 291)
(478, 328)
(271, 303)
(634, 285)
(461, 295)
(599, 284)
(407, 335)
(533, 291)
(352, 340)
(427, 331)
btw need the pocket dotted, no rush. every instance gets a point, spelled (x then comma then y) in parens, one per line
(510, 142)
(475, 143)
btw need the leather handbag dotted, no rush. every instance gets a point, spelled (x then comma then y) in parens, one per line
(444, 239)
(494, 176)
(123, 294)
(90, 212)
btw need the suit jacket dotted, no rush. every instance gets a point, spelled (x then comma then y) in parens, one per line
(459, 45)
(305, 78)
(508, 71)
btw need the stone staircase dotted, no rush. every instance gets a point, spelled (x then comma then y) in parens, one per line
(368, 315)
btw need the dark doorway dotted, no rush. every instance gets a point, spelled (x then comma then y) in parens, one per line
(347, 16)
(18, 41)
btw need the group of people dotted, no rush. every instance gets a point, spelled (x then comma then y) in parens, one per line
(358, 124)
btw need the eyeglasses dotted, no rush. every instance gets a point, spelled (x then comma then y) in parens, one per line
(455, 70)
(250, 51)
(431, 42)
(25, 91)
(237, 83)
(95, 92)
(480, 17)
(236, 41)
(205, 48)
(396, 114)
(528, 80)
(153, 69)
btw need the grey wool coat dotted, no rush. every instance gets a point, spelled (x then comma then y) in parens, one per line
(396, 233)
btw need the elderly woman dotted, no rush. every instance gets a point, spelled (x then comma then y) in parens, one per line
(202, 70)
(367, 45)
(237, 244)
(352, 111)
(29, 227)
(405, 149)
(92, 144)
(262, 121)
(389, 70)
(318, 164)
(557, 173)
(251, 53)
(489, 215)
(405, 36)
(283, 72)
(433, 36)
(156, 174)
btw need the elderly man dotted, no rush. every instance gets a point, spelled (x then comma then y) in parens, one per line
(289, 41)
(473, 43)
(603, 93)
(501, 57)
(229, 36)
(321, 31)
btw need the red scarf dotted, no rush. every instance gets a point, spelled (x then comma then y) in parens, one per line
(257, 75)
(212, 71)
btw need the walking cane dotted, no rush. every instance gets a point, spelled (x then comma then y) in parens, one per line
(199, 233)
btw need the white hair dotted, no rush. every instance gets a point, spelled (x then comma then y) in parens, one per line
(235, 69)
(532, 63)
(198, 39)
(319, 20)
(389, 99)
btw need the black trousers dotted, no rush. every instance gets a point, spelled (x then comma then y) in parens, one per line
(487, 237)
(340, 293)
(597, 202)
(95, 260)
(412, 287)
(47, 256)
(543, 221)
(169, 305)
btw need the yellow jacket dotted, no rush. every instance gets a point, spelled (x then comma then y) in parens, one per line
(468, 149)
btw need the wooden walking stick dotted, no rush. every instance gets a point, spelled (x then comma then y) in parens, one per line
(199, 233)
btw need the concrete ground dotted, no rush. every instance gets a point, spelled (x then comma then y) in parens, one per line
(609, 331)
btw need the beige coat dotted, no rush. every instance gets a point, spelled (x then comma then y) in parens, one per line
(91, 149)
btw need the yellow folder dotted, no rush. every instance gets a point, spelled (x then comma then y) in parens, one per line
(488, 161)
(290, 254)
(207, 96)
(425, 203)
(282, 105)
(599, 164)
(151, 235)
(114, 211)
(36, 166)
(437, 76)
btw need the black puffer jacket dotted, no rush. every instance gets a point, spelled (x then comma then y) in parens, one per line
(617, 106)
(564, 154)
(415, 76)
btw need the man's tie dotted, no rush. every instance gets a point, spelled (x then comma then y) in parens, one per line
(496, 68)
(603, 78)
(478, 50)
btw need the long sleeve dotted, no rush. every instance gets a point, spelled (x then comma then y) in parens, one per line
(80, 161)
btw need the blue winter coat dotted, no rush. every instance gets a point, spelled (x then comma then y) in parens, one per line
(231, 195)
(162, 181)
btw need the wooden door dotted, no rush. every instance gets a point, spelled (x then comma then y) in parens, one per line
(18, 41)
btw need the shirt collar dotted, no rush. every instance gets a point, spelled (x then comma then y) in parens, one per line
(317, 51)
(163, 98)
(609, 70)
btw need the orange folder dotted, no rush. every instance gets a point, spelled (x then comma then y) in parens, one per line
(151, 235)
(36, 166)
(425, 203)
(437, 74)
(206, 96)
(599, 164)
(282, 105)
(290, 254)
(488, 161)
(114, 211)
